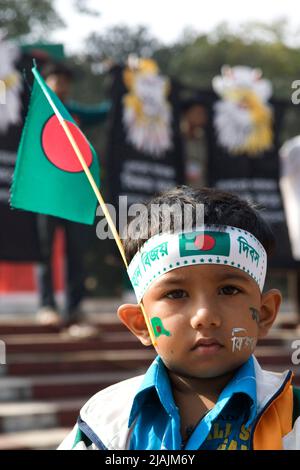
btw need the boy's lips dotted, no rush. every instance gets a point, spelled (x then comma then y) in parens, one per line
(206, 342)
(207, 345)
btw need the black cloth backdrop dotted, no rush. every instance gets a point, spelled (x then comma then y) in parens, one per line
(18, 232)
(132, 173)
(254, 177)
(140, 176)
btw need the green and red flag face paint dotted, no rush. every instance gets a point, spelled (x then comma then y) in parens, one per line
(206, 243)
(49, 178)
(158, 327)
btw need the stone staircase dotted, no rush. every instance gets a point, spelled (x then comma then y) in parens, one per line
(49, 375)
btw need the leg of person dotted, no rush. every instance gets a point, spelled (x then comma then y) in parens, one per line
(76, 243)
(75, 249)
(47, 313)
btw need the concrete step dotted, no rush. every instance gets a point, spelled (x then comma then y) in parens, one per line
(15, 328)
(73, 362)
(40, 343)
(58, 386)
(107, 322)
(275, 355)
(280, 337)
(31, 415)
(40, 439)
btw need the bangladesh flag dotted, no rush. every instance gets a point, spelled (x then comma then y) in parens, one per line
(158, 327)
(49, 177)
(204, 243)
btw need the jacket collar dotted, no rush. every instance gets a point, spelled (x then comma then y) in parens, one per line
(268, 384)
(156, 378)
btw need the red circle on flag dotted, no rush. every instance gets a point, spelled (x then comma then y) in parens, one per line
(205, 242)
(58, 148)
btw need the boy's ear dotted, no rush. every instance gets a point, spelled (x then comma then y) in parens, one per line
(132, 316)
(270, 304)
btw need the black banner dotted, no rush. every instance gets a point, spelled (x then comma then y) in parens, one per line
(132, 172)
(255, 178)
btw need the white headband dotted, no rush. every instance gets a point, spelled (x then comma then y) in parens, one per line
(212, 244)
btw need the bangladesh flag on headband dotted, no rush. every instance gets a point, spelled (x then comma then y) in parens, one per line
(49, 177)
(204, 243)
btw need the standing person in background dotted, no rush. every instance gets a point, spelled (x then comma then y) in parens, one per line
(59, 78)
(193, 123)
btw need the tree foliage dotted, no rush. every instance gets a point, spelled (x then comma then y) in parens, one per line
(20, 18)
(195, 62)
(195, 58)
(120, 41)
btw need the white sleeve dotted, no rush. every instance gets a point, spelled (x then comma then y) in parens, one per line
(291, 441)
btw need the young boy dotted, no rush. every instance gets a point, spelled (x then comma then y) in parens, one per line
(202, 290)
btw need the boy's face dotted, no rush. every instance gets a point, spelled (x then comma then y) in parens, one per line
(201, 306)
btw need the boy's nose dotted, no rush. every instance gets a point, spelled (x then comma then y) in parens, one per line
(205, 317)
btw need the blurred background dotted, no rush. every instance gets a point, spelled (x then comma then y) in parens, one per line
(188, 65)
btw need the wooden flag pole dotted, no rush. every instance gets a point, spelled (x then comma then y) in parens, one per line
(95, 189)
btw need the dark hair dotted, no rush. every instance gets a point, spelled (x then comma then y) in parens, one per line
(220, 208)
(57, 68)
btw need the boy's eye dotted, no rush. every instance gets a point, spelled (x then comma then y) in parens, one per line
(229, 290)
(177, 294)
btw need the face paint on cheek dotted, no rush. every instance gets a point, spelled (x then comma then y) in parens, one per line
(158, 327)
(240, 342)
(237, 330)
(255, 314)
